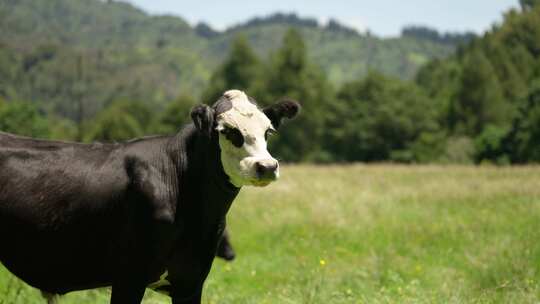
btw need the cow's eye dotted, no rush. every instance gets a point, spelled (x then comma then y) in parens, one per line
(269, 133)
(234, 136)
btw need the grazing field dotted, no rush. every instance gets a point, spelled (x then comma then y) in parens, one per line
(373, 234)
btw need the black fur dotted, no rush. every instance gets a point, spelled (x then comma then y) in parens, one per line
(225, 249)
(286, 108)
(222, 105)
(76, 216)
(80, 216)
(203, 117)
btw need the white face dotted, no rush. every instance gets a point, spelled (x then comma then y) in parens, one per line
(242, 138)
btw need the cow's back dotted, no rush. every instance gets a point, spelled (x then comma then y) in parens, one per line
(61, 211)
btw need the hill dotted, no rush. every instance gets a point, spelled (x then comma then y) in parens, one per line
(94, 52)
(342, 52)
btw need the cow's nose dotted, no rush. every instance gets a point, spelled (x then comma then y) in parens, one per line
(266, 169)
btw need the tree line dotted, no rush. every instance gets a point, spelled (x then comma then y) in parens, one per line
(480, 105)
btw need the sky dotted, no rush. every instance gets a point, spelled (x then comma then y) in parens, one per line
(381, 17)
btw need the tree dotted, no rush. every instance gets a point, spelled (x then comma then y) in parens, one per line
(239, 71)
(512, 82)
(480, 100)
(441, 80)
(379, 118)
(120, 121)
(176, 114)
(523, 142)
(204, 30)
(140, 111)
(528, 4)
(23, 118)
(291, 75)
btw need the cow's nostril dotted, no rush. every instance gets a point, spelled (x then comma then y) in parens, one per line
(259, 168)
(272, 167)
(265, 170)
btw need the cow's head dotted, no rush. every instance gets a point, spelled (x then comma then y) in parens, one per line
(243, 130)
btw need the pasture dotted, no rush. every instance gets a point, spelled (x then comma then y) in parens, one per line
(372, 234)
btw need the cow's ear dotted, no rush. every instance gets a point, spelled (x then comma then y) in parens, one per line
(284, 108)
(203, 118)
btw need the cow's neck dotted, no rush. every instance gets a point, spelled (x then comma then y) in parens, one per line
(203, 187)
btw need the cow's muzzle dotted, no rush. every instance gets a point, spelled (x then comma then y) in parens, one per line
(267, 170)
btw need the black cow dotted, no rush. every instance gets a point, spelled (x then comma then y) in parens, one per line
(225, 249)
(145, 213)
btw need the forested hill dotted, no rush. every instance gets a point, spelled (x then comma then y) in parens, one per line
(94, 52)
(488, 93)
(93, 70)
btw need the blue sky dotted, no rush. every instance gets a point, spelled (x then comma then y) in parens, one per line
(382, 17)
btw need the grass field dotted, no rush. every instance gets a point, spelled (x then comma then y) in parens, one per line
(373, 234)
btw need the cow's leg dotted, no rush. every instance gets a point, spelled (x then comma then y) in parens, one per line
(127, 293)
(225, 249)
(195, 298)
(187, 289)
(51, 298)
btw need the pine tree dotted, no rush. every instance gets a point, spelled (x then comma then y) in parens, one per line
(292, 76)
(513, 83)
(239, 71)
(480, 100)
(523, 142)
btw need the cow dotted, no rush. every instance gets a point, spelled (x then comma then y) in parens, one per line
(225, 249)
(146, 213)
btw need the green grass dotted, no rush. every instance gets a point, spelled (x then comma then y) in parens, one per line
(373, 234)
